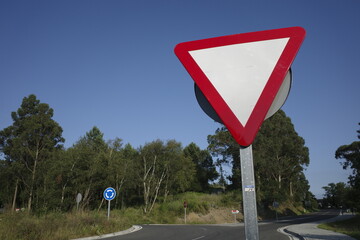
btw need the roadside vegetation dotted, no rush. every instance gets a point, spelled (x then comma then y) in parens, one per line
(40, 179)
(201, 209)
(57, 225)
(349, 227)
(40, 175)
(345, 196)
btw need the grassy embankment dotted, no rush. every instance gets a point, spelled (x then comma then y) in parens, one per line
(202, 208)
(349, 227)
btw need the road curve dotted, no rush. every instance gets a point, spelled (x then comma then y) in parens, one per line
(267, 230)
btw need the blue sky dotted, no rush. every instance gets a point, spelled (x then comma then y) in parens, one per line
(111, 64)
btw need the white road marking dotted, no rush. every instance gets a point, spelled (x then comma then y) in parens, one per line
(198, 238)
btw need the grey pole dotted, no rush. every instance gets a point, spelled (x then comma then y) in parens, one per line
(249, 194)
(108, 215)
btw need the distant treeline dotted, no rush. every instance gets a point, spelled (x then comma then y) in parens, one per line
(37, 173)
(342, 195)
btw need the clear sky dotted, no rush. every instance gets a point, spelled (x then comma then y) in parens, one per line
(111, 64)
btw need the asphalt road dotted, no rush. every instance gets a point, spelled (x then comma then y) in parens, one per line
(267, 230)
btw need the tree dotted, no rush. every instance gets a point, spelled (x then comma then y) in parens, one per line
(280, 156)
(181, 170)
(205, 168)
(30, 141)
(336, 194)
(120, 166)
(223, 146)
(59, 179)
(91, 165)
(162, 167)
(351, 154)
(152, 172)
(7, 180)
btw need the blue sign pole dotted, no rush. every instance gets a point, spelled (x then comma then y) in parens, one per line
(109, 194)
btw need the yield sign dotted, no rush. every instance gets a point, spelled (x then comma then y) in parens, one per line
(241, 74)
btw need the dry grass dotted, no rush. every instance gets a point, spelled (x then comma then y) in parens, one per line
(57, 226)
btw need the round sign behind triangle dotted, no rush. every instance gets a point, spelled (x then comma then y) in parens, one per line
(278, 102)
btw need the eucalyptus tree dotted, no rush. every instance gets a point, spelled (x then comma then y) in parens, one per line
(30, 141)
(280, 156)
(152, 172)
(351, 154)
(162, 168)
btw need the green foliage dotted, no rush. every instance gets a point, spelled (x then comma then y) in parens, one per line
(231, 198)
(28, 143)
(38, 173)
(336, 195)
(205, 168)
(223, 146)
(74, 224)
(351, 154)
(280, 156)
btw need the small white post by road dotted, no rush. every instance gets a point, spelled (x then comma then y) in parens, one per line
(109, 194)
(235, 212)
(185, 206)
(276, 205)
(108, 213)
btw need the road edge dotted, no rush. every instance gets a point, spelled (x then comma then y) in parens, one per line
(290, 234)
(295, 235)
(134, 228)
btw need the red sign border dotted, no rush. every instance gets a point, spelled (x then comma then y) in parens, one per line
(244, 135)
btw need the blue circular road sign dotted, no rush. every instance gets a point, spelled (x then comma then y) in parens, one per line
(109, 193)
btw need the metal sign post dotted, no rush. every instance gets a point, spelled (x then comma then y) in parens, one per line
(109, 194)
(249, 194)
(108, 213)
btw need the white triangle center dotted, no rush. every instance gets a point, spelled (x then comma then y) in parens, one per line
(239, 72)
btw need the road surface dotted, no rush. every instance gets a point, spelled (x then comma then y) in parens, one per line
(267, 229)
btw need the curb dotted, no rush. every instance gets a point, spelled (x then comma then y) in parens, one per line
(290, 234)
(296, 234)
(134, 228)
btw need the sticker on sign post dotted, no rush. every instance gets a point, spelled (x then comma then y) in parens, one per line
(249, 188)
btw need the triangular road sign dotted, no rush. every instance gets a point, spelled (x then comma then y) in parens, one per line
(241, 74)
